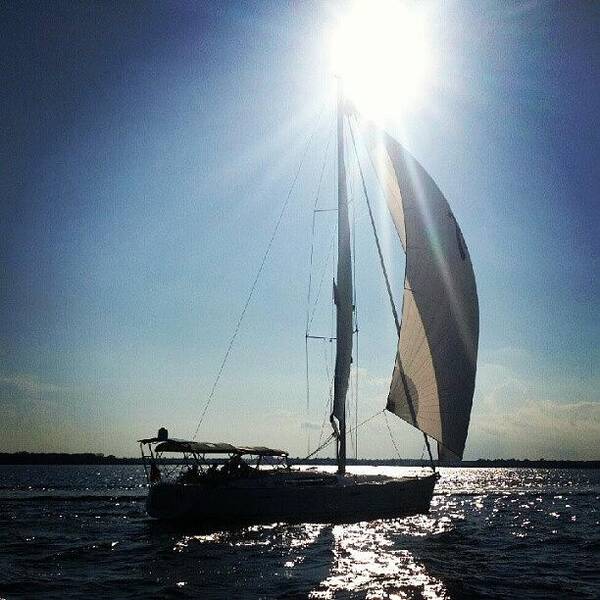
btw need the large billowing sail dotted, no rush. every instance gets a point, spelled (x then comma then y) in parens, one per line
(434, 375)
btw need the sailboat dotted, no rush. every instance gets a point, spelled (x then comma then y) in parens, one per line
(431, 386)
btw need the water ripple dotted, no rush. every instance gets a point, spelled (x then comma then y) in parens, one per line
(491, 533)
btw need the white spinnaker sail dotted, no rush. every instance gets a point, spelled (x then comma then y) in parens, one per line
(434, 375)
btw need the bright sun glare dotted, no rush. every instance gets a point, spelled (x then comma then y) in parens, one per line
(380, 51)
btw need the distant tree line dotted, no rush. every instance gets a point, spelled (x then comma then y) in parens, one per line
(61, 458)
(89, 458)
(540, 463)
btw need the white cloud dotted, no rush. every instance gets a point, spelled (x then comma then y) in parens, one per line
(38, 416)
(518, 412)
(529, 417)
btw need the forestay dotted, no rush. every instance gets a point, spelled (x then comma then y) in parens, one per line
(434, 375)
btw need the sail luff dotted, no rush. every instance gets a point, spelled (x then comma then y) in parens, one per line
(342, 297)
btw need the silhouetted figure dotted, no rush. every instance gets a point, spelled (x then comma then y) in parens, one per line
(154, 473)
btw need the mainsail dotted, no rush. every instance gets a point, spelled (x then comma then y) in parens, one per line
(434, 375)
(343, 301)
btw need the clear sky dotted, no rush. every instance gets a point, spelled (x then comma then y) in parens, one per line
(145, 154)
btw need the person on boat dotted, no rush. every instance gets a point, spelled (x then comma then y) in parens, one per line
(154, 473)
(244, 469)
(212, 472)
(191, 475)
(236, 467)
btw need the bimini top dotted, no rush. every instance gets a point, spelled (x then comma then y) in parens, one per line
(175, 445)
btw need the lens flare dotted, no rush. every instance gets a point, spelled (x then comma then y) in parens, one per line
(380, 52)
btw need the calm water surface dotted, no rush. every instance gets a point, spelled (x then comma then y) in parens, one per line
(81, 531)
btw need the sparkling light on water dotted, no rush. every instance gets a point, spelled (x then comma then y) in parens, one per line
(366, 561)
(490, 533)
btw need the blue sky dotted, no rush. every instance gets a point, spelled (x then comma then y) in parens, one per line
(145, 154)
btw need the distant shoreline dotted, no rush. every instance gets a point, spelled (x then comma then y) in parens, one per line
(52, 458)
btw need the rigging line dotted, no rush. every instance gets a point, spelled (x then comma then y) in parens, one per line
(377, 242)
(356, 398)
(333, 323)
(389, 291)
(356, 329)
(332, 436)
(312, 250)
(319, 448)
(312, 236)
(258, 274)
(324, 422)
(329, 371)
(321, 279)
(307, 379)
(329, 387)
(329, 376)
(329, 391)
(391, 436)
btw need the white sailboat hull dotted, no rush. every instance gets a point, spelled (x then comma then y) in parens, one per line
(293, 497)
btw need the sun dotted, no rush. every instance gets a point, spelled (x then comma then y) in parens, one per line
(381, 53)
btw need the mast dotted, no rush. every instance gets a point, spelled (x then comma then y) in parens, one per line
(342, 296)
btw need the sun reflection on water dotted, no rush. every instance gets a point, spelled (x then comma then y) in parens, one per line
(365, 560)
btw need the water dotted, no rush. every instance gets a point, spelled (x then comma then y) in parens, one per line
(81, 531)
